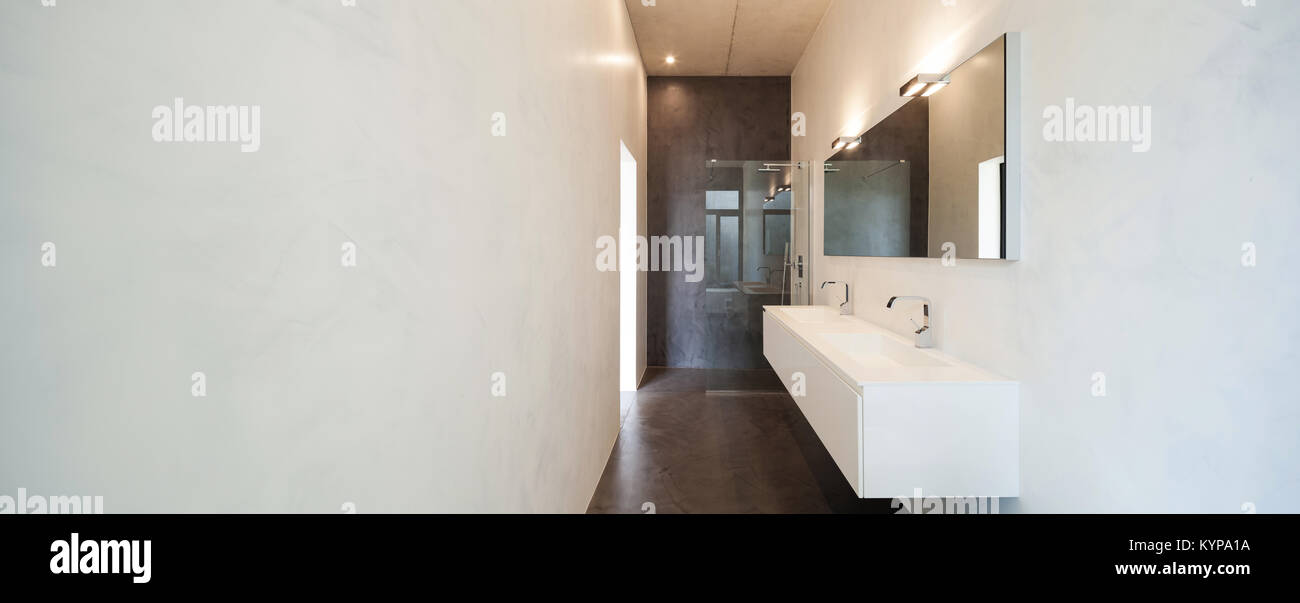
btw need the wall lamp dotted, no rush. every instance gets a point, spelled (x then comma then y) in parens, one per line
(846, 142)
(925, 84)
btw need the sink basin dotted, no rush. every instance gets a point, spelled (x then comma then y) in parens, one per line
(877, 351)
(756, 288)
(811, 314)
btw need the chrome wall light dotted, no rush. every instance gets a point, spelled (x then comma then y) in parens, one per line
(846, 142)
(925, 84)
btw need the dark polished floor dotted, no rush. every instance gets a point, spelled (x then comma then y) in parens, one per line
(686, 450)
(659, 380)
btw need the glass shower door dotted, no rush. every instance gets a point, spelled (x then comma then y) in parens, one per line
(756, 252)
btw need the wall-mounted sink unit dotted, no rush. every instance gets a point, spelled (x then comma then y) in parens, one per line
(896, 418)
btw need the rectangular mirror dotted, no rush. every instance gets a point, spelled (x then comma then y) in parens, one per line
(940, 176)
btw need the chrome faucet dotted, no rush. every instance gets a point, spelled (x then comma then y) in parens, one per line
(924, 335)
(846, 309)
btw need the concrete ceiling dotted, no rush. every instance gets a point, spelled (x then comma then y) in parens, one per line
(724, 37)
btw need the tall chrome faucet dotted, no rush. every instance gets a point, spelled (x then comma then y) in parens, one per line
(846, 309)
(924, 335)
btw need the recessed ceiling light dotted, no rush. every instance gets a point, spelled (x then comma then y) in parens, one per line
(671, 59)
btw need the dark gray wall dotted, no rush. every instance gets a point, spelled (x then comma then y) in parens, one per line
(693, 120)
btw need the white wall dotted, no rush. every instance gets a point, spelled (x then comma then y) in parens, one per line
(1132, 262)
(325, 385)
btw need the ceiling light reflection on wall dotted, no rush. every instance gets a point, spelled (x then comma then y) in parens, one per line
(671, 59)
(924, 84)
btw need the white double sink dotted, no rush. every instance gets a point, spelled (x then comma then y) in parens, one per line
(895, 418)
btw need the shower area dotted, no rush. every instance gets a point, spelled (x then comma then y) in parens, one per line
(756, 233)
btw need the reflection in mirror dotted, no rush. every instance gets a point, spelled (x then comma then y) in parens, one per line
(776, 224)
(879, 224)
(877, 197)
(933, 175)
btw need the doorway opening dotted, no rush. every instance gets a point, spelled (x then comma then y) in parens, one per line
(628, 277)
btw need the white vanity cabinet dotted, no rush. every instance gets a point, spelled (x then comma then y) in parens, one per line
(832, 407)
(896, 419)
